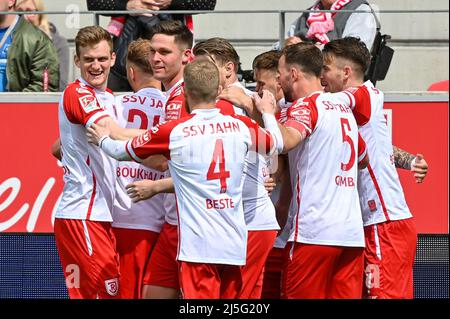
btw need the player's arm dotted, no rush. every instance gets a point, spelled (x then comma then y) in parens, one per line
(99, 135)
(154, 141)
(158, 162)
(300, 122)
(146, 189)
(358, 99)
(416, 164)
(265, 141)
(236, 96)
(117, 132)
(56, 149)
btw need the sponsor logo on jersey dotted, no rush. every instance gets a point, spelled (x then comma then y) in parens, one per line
(173, 106)
(142, 140)
(112, 286)
(89, 103)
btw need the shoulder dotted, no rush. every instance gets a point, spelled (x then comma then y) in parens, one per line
(81, 93)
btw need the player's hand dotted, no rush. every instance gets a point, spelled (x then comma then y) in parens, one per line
(270, 185)
(160, 4)
(266, 104)
(139, 5)
(236, 96)
(96, 132)
(419, 168)
(141, 190)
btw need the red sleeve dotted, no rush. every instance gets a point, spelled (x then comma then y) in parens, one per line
(176, 107)
(81, 105)
(262, 140)
(360, 104)
(362, 148)
(302, 116)
(154, 141)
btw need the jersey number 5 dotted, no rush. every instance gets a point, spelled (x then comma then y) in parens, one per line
(222, 174)
(347, 139)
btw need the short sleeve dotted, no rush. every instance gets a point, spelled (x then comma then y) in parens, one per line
(359, 102)
(81, 106)
(302, 116)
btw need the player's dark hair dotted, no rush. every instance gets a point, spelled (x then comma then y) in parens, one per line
(351, 49)
(183, 36)
(306, 56)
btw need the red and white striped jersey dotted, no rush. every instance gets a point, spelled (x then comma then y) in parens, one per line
(141, 110)
(325, 195)
(380, 192)
(89, 174)
(258, 207)
(206, 152)
(175, 109)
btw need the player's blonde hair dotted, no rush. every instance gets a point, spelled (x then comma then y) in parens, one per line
(139, 55)
(92, 35)
(201, 80)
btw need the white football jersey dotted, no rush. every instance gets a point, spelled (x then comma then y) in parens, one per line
(325, 195)
(258, 208)
(380, 192)
(206, 152)
(89, 174)
(141, 110)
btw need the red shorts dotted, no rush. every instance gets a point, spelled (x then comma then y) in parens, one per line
(389, 259)
(319, 271)
(134, 247)
(259, 245)
(209, 281)
(271, 288)
(89, 259)
(162, 268)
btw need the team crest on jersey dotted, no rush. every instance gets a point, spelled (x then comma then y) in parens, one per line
(89, 103)
(112, 286)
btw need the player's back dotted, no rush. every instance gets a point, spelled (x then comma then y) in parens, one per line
(380, 191)
(207, 156)
(89, 174)
(325, 189)
(141, 110)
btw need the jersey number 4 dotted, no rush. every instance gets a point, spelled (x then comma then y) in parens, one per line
(222, 174)
(347, 139)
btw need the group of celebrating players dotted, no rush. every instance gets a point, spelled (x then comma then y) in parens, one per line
(170, 190)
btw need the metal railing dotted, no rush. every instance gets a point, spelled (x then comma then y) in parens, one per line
(281, 14)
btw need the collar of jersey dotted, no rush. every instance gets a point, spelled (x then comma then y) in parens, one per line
(174, 87)
(87, 84)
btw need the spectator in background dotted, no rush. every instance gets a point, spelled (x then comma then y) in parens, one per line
(322, 27)
(28, 59)
(140, 26)
(60, 43)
